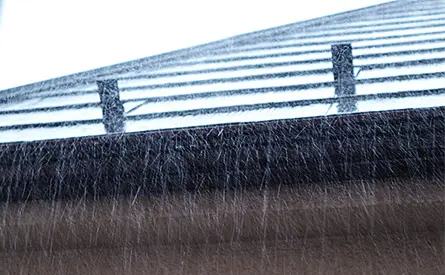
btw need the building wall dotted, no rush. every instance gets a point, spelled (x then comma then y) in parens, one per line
(356, 228)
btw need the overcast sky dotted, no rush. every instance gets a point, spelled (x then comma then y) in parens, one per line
(42, 39)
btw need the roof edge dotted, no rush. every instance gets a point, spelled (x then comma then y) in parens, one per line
(169, 58)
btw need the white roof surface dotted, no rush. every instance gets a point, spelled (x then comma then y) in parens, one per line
(399, 52)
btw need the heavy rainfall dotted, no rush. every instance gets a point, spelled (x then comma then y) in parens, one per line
(315, 147)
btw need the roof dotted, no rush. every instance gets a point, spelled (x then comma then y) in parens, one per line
(347, 98)
(282, 73)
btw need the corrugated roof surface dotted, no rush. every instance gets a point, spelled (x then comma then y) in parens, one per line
(283, 73)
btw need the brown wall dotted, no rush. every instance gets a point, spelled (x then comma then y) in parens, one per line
(359, 228)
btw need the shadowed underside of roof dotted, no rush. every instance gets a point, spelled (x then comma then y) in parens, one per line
(284, 73)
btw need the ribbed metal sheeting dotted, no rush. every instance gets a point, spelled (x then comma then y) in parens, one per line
(399, 63)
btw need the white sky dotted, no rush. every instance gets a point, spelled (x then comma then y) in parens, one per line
(42, 39)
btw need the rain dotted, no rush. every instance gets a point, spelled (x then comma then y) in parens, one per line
(316, 147)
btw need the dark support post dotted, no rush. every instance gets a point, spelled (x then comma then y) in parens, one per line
(344, 78)
(112, 108)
